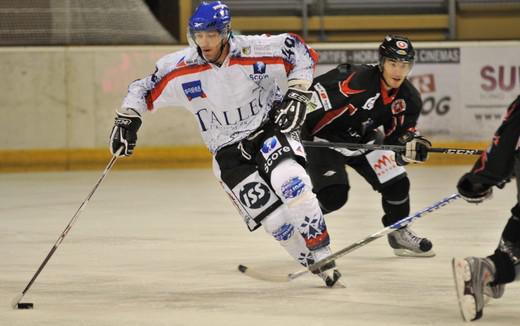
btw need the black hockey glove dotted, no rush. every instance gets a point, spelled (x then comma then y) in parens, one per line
(124, 132)
(290, 114)
(472, 190)
(416, 149)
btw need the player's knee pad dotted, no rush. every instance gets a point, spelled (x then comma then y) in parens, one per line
(397, 190)
(291, 182)
(333, 197)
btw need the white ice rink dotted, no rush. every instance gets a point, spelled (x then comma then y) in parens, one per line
(162, 248)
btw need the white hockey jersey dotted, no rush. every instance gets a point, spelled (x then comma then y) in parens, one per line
(230, 101)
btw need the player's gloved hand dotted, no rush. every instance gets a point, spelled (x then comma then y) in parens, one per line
(473, 191)
(124, 132)
(416, 149)
(290, 114)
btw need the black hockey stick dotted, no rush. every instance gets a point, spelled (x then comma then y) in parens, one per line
(389, 229)
(395, 148)
(15, 303)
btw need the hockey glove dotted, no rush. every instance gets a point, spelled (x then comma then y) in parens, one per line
(124, 132)
(416, 149)
(290, 114)
(473, 191)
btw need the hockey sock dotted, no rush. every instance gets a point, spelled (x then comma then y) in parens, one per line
(292, 184)
(395, 201)
(288, 236)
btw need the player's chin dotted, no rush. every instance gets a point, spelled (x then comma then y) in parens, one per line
(396, 82)
(209, 55)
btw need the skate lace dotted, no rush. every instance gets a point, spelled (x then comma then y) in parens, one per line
(411, 237)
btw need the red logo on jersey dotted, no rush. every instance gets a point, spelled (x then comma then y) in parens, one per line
(345, 89)
(384, 162)
(398, 106)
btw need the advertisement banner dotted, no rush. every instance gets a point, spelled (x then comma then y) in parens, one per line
(433, 76)
(491, 81)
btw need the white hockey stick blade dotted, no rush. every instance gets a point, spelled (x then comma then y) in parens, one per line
(389, 229)
(264, 276)
(270, 277)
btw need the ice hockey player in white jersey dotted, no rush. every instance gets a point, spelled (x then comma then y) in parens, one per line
(232, 85)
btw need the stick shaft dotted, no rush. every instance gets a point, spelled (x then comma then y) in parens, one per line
(395, 148)
(389, 229)
(399, 224)
(62, 236)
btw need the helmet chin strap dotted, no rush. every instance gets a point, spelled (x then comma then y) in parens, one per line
(222, 46)
(384, 80)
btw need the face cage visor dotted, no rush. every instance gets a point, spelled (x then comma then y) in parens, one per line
(225, 33)
(383, 58)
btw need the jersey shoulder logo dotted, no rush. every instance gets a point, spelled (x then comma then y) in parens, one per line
(193, 90)
(246, 50)
(323, 96)
(398, 106)
(259, 67)
(345, 89)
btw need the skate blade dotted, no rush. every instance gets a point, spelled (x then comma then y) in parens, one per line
(461, 275)
(333, 281)
(410, 253)
(338, 285)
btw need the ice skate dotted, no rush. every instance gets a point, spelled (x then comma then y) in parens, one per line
(408, 244)
(495, 291)
(472, 276)
(328, 273)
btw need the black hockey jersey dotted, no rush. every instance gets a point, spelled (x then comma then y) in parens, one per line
(496, 163)
(352, 101)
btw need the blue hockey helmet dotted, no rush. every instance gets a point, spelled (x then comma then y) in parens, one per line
(396, 47)
(212, 16)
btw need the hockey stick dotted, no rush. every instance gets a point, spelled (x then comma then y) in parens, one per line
(395, 148)
(15, 303)
(389, 229)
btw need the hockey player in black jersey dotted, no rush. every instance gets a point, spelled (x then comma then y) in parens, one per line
(367, 104)
(476, 277)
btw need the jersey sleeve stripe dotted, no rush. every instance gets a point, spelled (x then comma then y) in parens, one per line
(328, 118)
(157, 90)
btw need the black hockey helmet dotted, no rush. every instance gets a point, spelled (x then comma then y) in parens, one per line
(396, 47)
